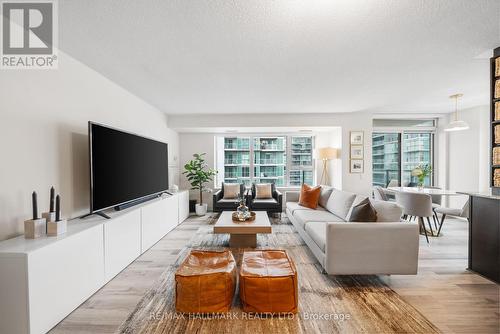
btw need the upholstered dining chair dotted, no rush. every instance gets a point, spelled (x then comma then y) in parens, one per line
(379, 194)
(393, 183)
(416, 205)
(455, 212)
(437, 200)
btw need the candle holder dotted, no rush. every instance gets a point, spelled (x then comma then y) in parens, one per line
(49, 216)
(34, 228)
(58, 226)
(55, 228)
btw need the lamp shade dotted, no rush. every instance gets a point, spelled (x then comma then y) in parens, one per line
(326, 153)
(456, 126)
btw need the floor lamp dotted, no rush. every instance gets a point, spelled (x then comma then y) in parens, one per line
(325, 154)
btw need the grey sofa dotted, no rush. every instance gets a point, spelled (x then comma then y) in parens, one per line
(387, 246)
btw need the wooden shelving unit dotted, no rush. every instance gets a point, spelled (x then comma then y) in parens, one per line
(495, 119)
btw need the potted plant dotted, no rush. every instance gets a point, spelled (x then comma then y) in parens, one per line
(198, 173)
(421, 172)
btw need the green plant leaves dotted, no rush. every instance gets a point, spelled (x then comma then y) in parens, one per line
(197, 172)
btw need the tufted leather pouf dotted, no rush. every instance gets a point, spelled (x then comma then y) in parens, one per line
(205, 282)
(268, 282)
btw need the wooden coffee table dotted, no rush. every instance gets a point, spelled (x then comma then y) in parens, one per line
(243, 234)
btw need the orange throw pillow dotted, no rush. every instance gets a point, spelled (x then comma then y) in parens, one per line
(309, 196)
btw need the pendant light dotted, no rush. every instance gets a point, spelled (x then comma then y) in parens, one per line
(456, 124)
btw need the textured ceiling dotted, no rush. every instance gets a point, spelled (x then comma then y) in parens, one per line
(287, 56)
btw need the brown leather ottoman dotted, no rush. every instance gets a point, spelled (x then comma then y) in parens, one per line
(205, 282)
(268, 282)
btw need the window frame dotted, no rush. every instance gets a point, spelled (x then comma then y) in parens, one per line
(409, 130)
(288, 165)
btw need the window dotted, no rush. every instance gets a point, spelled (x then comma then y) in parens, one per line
(269, 160)
(264, 159)
(236, 160)
(386, 158)
(301, 166)
(396, 154)
(416, 152)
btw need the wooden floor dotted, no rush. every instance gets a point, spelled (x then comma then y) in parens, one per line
(455, 300)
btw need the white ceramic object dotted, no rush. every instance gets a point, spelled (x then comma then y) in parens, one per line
(201, 210)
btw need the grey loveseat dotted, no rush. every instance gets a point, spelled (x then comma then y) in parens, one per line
(387, 246)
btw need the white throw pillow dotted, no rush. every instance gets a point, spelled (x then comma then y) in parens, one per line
(263, 191)
(231, 190)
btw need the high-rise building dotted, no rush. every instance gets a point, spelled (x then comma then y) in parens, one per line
(270, 160)
(395, 155)
(301, 165)
(237, 160)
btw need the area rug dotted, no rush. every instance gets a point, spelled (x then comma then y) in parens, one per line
(327, 304)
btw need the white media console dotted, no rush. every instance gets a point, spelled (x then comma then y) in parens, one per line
(43, 280)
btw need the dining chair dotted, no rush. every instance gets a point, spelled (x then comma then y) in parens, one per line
(437, 200)
(393, 183)
(456, 212)
(416, 205)
(379, 194)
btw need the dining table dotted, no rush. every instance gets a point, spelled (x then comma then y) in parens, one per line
(428, 191)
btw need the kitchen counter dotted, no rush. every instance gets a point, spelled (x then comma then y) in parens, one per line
(484, 234)
(484, 194)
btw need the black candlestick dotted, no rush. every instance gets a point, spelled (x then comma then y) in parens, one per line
(35, 205)
(58, 208)
(52, 194)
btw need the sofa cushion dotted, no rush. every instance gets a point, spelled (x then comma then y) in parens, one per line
(309, 196)
(264, 203)
(340, 203)
(263, 191)
(292, 206)
(324, 195)
(227, 203)
(231, 190)
(387, 212)
(305, 216)
(357, 200)
(317, 232)
(363, 212)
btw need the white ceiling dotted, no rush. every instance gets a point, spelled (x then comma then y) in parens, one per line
(288, 56)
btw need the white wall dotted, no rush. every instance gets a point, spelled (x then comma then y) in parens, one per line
(466, 154)
(191, 141)
(43, 135)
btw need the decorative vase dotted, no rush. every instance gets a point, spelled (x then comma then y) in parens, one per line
(201, 209)
(243, 212)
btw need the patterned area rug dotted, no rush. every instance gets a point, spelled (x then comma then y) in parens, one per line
(327, 304)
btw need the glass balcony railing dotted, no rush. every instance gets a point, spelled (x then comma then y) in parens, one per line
(269, 162)
(236, 162)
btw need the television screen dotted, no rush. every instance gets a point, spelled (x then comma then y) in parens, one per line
(124, 167)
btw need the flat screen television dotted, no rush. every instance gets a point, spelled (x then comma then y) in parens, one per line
(124, 168)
